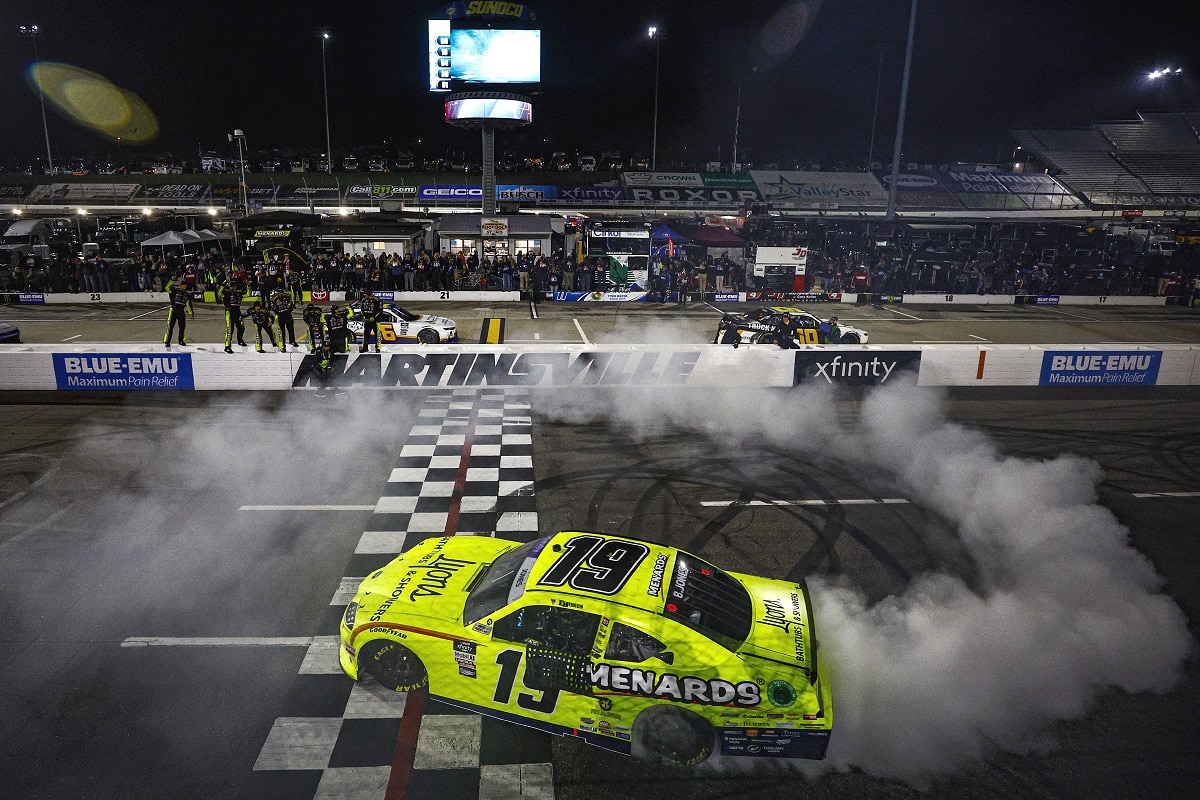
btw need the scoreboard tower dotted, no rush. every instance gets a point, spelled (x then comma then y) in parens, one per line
(484, 55)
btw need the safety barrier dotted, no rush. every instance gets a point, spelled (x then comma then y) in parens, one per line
(145, 367)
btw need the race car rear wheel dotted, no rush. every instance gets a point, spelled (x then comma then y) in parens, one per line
(673, 736)
(393, 665)
(427, 336)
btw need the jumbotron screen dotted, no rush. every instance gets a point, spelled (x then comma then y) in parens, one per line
(482, 108)
(482, 56)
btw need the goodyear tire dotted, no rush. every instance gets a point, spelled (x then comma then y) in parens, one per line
(849, 338)
(427, 336)
(393, 665)
(671, 735)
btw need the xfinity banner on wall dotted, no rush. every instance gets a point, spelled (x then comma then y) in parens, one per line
(591, 194)
(855, 367)
(821, 189)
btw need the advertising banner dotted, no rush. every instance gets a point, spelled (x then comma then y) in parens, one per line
(728, 180)
(793, 297)
(661, 179)
(591, 194)
(820, 189)
(29, 298)
(330, 194)
(64, 193)
(608, 297)
(443, 192)
(493, 227)
(123, 371)
(536, 193)
(919, 190)
(855, 368)
(377, 191)
(688, 194)
(175, 191)
(1107, 368)
(254, 192)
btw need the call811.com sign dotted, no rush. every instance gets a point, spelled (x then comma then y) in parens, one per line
(123, 371)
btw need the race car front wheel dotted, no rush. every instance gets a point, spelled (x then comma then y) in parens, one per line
(393, 665)
(427, 336)
(673, 736)
(849, 338)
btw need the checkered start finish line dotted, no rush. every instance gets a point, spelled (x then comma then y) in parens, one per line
(466, 468)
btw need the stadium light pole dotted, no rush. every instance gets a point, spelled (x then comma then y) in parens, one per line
(33, 32)
(323, 34)
(908, 50)
(880, 51)
(656, 35)
(240, 136)
(1161, 76)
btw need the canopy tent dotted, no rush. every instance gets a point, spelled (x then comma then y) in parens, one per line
(714, 236)
(661, 232)
(664, 240)
(174, 239)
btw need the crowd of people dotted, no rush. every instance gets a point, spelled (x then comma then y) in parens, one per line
(828, 270)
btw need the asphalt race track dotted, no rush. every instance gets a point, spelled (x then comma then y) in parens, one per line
(611, 323)
(172, 569)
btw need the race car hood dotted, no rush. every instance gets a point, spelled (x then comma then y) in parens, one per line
(430, 580)
(440, 322)
(782, 628)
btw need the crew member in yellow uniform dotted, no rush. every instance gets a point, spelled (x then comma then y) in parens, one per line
(181, 305)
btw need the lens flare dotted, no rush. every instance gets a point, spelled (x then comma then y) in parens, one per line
(94, 102)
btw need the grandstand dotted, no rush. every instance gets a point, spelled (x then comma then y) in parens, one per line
(1153, 161)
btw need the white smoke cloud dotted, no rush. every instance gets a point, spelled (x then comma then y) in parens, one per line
(928, 680)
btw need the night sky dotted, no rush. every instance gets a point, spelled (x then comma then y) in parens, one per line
(980, 68)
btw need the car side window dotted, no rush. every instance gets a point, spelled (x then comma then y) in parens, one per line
(630, 644)
(565, 630)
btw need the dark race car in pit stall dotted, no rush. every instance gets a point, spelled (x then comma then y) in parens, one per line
(398, 325)
(9, 334)
(760, 326)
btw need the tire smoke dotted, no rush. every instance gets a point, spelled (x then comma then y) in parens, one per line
(928, 680)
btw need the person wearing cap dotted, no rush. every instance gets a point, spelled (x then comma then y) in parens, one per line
(785, 333)
(231, 298)
(316, 331)
(263, 319)
(181, 305)
(830, 332)
(370, 307)
(337, 324)
(283, 305)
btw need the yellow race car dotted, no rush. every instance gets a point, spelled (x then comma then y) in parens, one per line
(627, 644)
